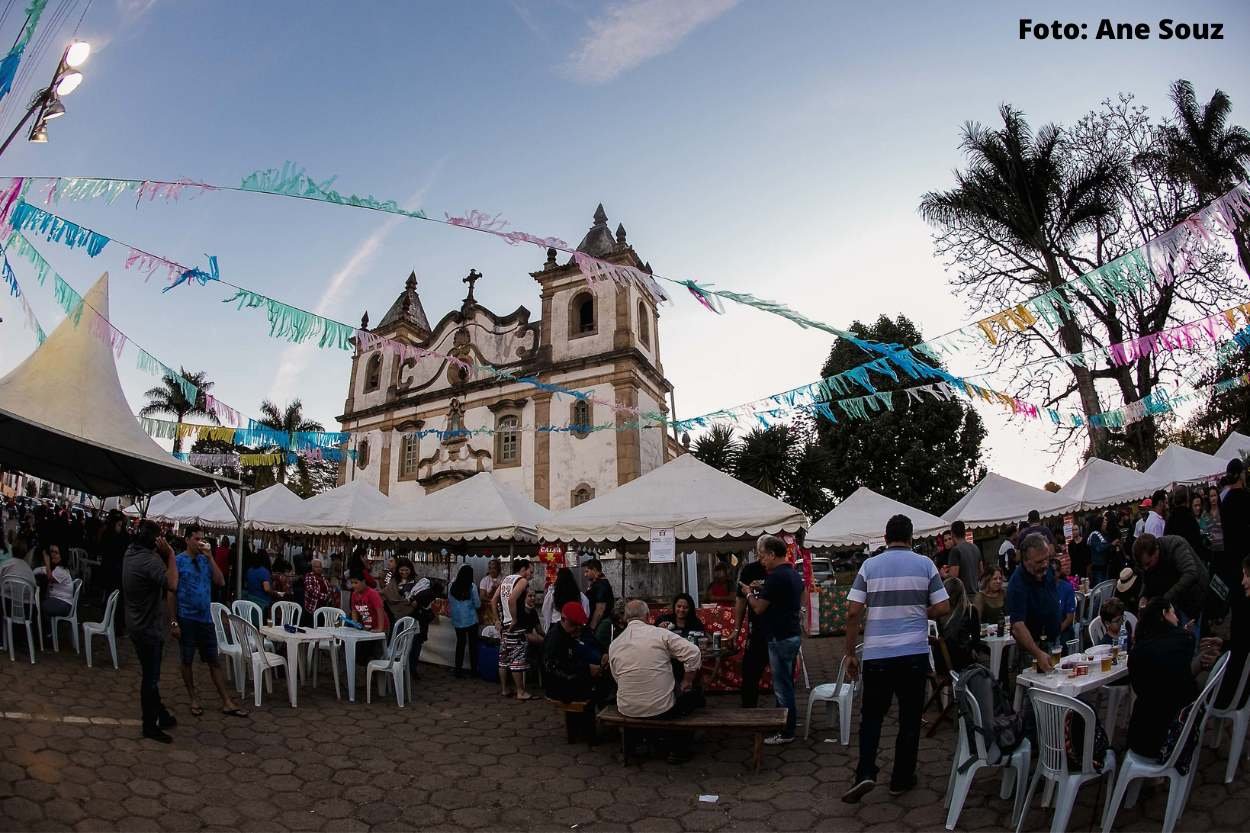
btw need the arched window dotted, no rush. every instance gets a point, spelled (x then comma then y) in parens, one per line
(581, 418)
(582, 320)
(373, 372)
(644, 325)
(508, 441)
(362, 453)
(408, 458)
(582, 494)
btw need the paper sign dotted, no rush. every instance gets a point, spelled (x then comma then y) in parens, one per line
(1068, 525)
(663, 547)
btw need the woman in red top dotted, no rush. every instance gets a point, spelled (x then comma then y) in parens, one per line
(221, 555)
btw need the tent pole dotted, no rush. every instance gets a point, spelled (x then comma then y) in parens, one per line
(238, 567)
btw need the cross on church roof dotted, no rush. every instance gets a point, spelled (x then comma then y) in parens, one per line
(473, 277)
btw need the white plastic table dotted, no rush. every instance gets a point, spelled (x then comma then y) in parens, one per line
(293, 642)
(996, 645)
(350, 637)
(1059, 682)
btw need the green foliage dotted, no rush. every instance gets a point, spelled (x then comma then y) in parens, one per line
(926, 454)
(288, 420)
(718, 448)
(168, 399)
(1222, 413)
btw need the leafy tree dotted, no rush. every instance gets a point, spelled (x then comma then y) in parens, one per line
(1222, 412)
(766, 459)
(718, 448)
(288, 420)
(926, 454)
(1203, 150)
(168, 398)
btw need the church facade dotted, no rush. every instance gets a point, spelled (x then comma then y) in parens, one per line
(601, 338)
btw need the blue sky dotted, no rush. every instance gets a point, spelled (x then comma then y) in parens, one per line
(776, 148)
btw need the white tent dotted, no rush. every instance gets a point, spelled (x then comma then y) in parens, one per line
(1000, 500)
(1235, 446)
(156, 505)
(64, 417)
(479, 508)
(335, 512)
(177, 507)
(1103, 483)
(195, 511)
(690, 497)
(275, 502)
(861, 518)
(1178, 464)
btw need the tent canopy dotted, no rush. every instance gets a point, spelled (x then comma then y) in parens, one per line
(277, 500)
(1178, 464)
(156, 505)
(1235, 446)
(335, 512)
(861, 518)
(64, 417)
(196, 511)
(479, 508)
(177, 507)
(1103, 483)
(1000, 500)
(690, 497)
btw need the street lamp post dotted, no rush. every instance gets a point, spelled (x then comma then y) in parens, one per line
(46, 105)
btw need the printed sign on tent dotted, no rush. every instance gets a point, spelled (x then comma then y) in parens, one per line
(663, 547)
(1069, 523)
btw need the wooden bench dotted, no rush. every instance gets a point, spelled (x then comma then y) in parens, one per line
(578, 716)
(756, 721)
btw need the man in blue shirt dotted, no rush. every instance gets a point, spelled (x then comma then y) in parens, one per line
(1033, 601)
(193, 626)
(779, 603)
(895, 594)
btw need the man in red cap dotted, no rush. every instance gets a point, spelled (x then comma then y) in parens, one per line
(570, 670)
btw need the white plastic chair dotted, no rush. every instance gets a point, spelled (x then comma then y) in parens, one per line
(80, 561)
(227, 646)
(105, 628)
(1240, 718)
(395, 664)
(251, 612)
(1115, 693)
(71, 618)
(401, 624)
(286, 613)
(968, 761)
(18, 604)
(1179, 784)
(1051, 711)
(327, 617)
(261, 662)
(839, 694)
(1097, 596)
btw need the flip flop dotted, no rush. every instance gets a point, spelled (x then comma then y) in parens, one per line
(235, 712)
(526, 697)
(197, 710)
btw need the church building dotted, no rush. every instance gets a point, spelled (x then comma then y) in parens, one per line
(601, 338)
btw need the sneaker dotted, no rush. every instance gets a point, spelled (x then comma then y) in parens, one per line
(778, 740)
(157, 735)
(860, 789)
(899, 789)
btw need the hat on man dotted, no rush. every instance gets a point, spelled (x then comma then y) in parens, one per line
(1145, 504)
(1127, 579)
(573, 612)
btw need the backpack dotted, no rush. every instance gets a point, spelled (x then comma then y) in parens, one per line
(1001, 728)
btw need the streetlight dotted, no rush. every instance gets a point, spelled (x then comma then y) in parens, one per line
(47, 102)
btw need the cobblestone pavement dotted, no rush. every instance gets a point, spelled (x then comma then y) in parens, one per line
(459, 758)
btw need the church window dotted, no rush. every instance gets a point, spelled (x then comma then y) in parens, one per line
(408, 455)
(644, 325)
(508, 441)
(362, 454)
(582, 315)
(580, 418)
(582, 494)
(373, 373)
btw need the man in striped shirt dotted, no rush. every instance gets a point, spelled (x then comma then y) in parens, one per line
(900, 591)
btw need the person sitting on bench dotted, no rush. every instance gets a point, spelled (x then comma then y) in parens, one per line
(639, 659)
(571, 672)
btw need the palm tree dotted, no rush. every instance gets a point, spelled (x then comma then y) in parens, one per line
(718, 448)
(1203, 150)
(1028, 195)
(767, 459)
(168, 398)
(288, 421)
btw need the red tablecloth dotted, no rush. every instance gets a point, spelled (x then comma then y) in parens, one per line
(720, 619)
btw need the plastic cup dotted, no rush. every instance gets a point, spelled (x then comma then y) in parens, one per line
(1106, 664)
